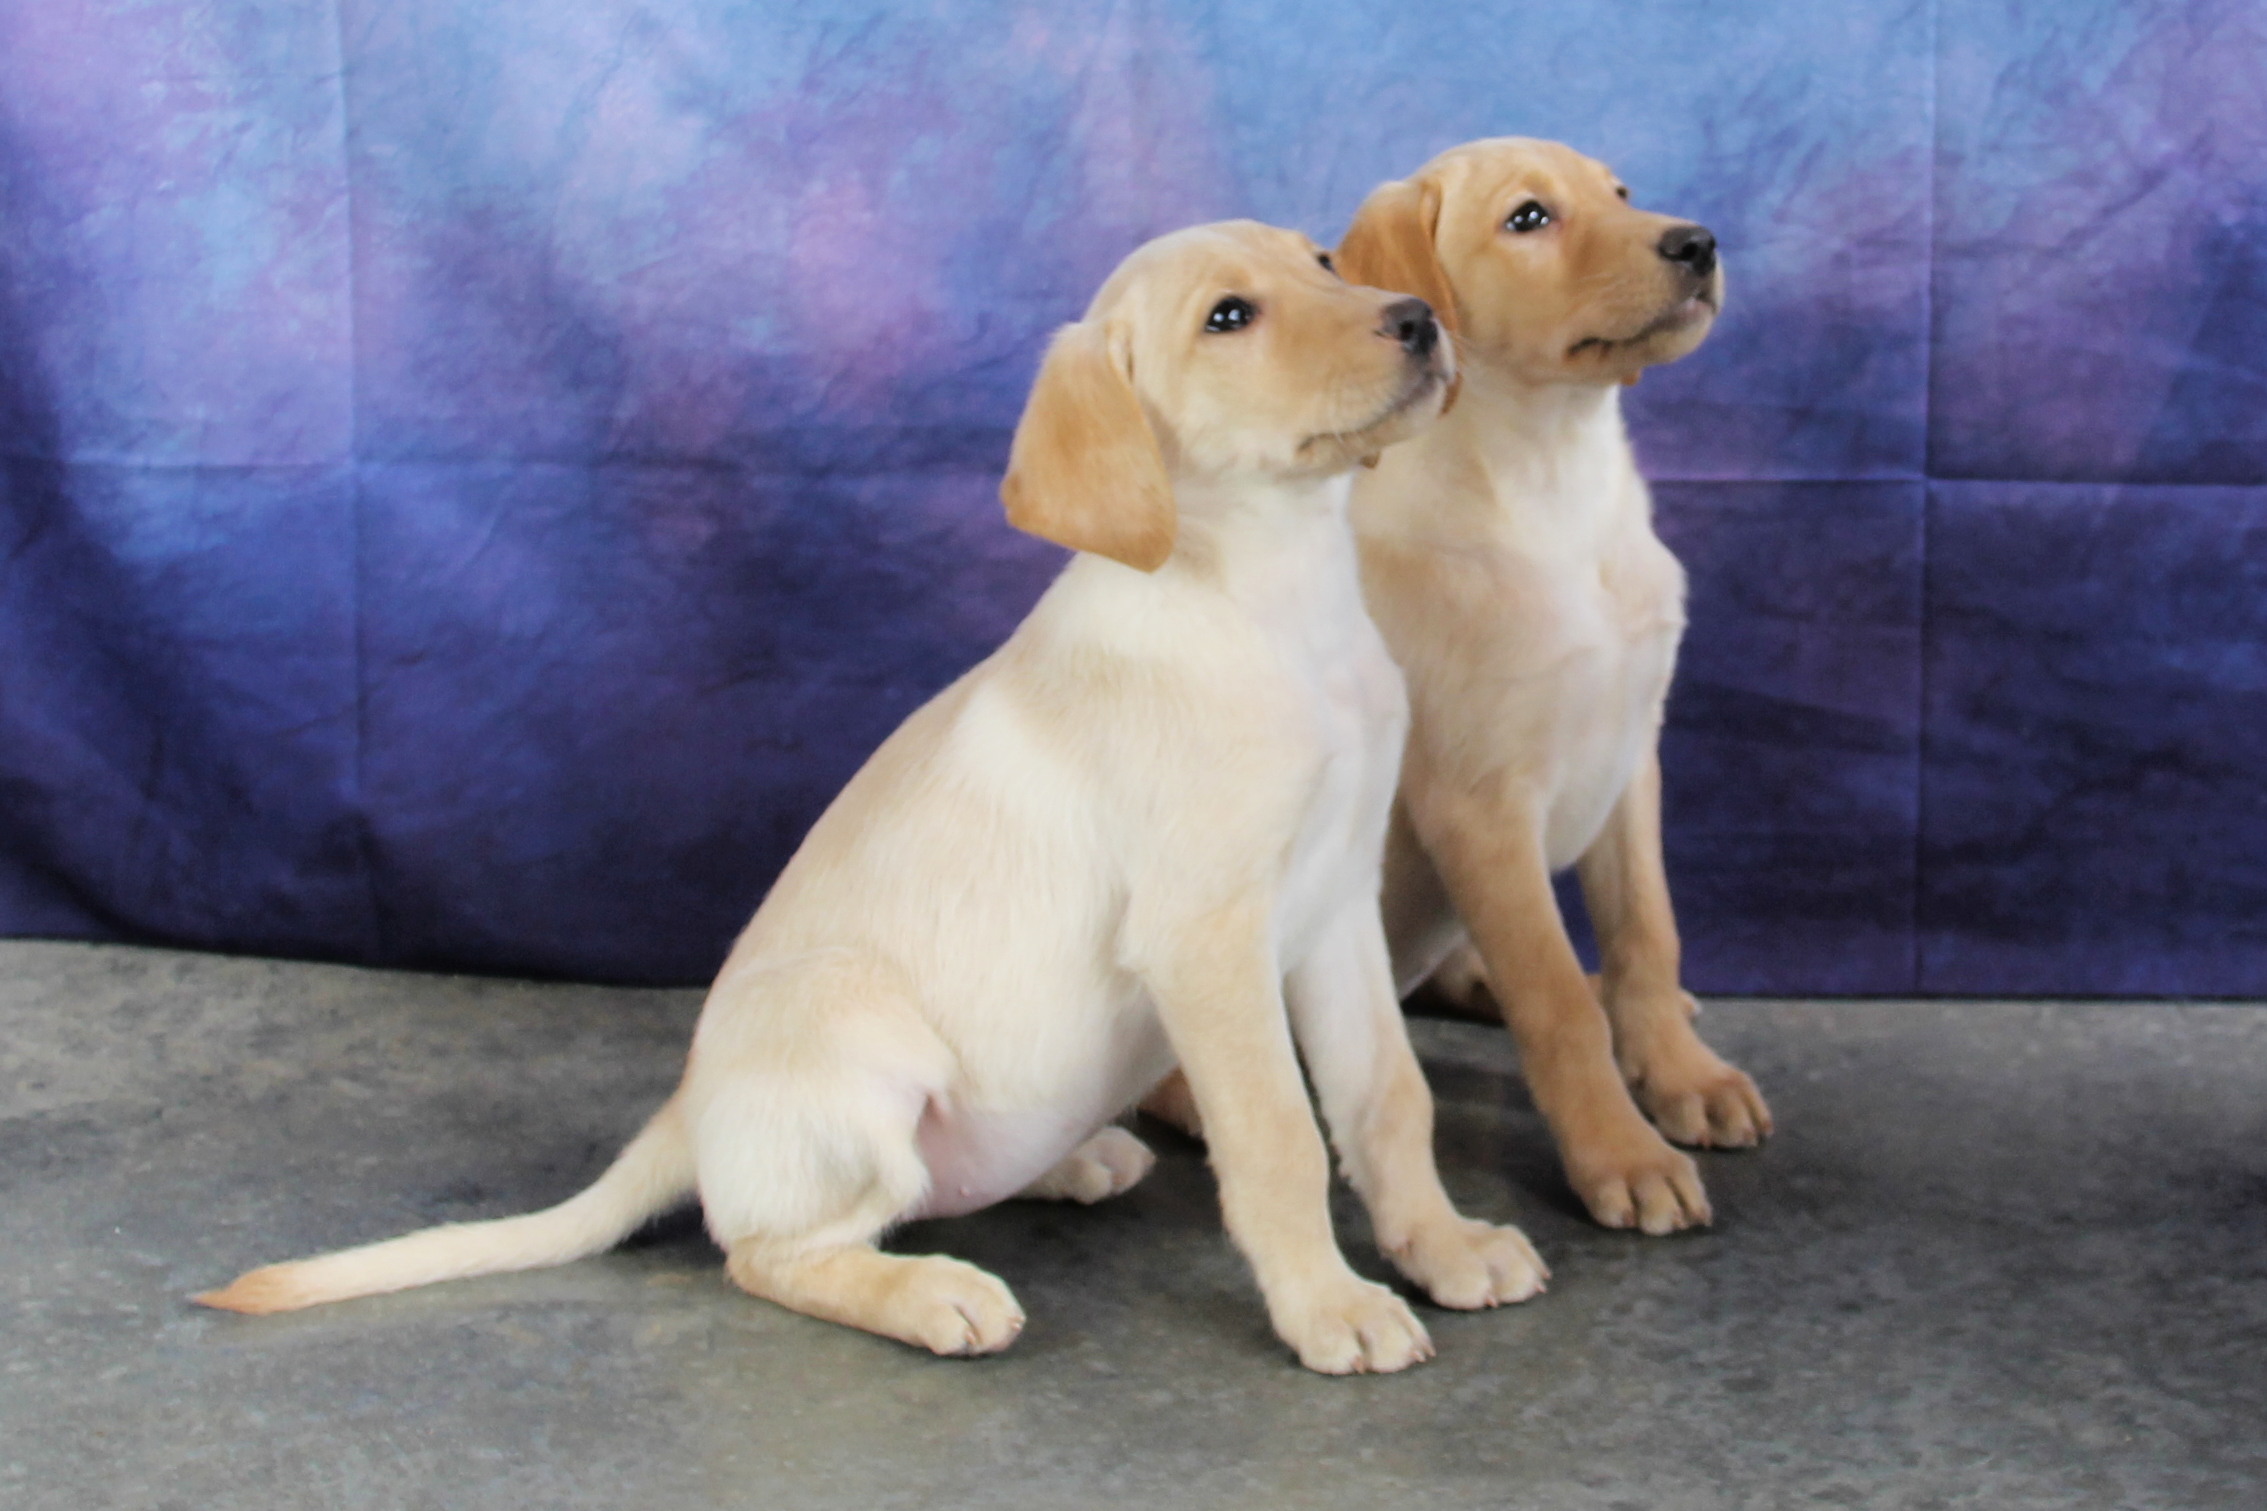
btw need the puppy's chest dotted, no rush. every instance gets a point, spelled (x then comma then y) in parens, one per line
(1634, 616)
(1353, 715)
(1600, 714)
(1343, 702)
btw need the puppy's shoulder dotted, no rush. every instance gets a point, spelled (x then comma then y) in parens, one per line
(1165, 630)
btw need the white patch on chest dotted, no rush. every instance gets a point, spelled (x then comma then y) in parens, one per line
(1355, 707)
(1607, 705)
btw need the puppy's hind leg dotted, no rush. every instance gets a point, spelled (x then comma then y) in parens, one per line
(932, 1302)
(1458, 988)
(806, 1100)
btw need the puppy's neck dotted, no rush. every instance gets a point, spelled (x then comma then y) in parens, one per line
(1513, 454)
(1251, 537)
(1527, 431)
(1223, 521)
(1278, 556)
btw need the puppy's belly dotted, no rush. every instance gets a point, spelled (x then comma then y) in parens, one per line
(977, 1156)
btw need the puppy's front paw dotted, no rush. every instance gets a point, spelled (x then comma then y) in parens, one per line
(1633, 1179)
(1684, 1086)
(1352, 1327)
(1697, 1099)
(1106, 1165)
(1467, 1264)
(1714, 1107)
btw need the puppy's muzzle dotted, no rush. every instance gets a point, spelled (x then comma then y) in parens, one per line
(1692, 248)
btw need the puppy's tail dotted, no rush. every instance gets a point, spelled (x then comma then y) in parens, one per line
(654, 1173)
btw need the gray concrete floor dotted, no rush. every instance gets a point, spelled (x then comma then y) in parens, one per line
(2000, 1256)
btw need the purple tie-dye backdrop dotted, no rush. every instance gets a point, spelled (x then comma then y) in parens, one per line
(479, 476)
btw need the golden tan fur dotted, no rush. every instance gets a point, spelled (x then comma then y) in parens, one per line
(1149, 827)
(1084, 470)
(1510, 560)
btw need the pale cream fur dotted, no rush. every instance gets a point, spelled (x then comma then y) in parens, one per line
(1510, 559)
(1149, 827)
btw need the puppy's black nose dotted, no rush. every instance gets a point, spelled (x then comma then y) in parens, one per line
(1694, 246)
(1410, 322)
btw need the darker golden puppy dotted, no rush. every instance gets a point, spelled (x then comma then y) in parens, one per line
(1510, 558)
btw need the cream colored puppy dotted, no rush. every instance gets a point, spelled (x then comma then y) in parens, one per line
(1148, 827)
(1510, 560)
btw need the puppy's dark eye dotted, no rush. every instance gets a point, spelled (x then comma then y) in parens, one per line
(1623, 191)
(1231, 314)
(1327, 265)
(1530, 216)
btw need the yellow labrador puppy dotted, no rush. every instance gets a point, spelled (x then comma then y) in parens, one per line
(1510, 560)
(1148, 827)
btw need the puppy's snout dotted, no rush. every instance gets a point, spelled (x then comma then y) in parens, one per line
(1692, 246)
(1410, 322)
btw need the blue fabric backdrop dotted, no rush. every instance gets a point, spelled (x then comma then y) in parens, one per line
(478, 476)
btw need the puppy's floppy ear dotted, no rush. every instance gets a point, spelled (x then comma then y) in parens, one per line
(1085, 471)
(1391, 245)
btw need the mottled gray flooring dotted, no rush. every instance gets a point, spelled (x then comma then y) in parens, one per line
(2000, 1256)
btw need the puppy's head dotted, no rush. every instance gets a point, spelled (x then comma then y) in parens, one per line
(1223, 351)
(1538, 263)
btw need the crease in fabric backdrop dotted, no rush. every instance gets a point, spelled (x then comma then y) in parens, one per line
(477, 478)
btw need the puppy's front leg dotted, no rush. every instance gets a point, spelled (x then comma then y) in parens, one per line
(1380, 1111)
(1219, 991)
(1490, 852)
(1694, 1096)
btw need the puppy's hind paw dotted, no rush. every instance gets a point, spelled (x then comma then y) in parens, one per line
(1106, 1165)
(1172, 1103)
(959, 1311)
